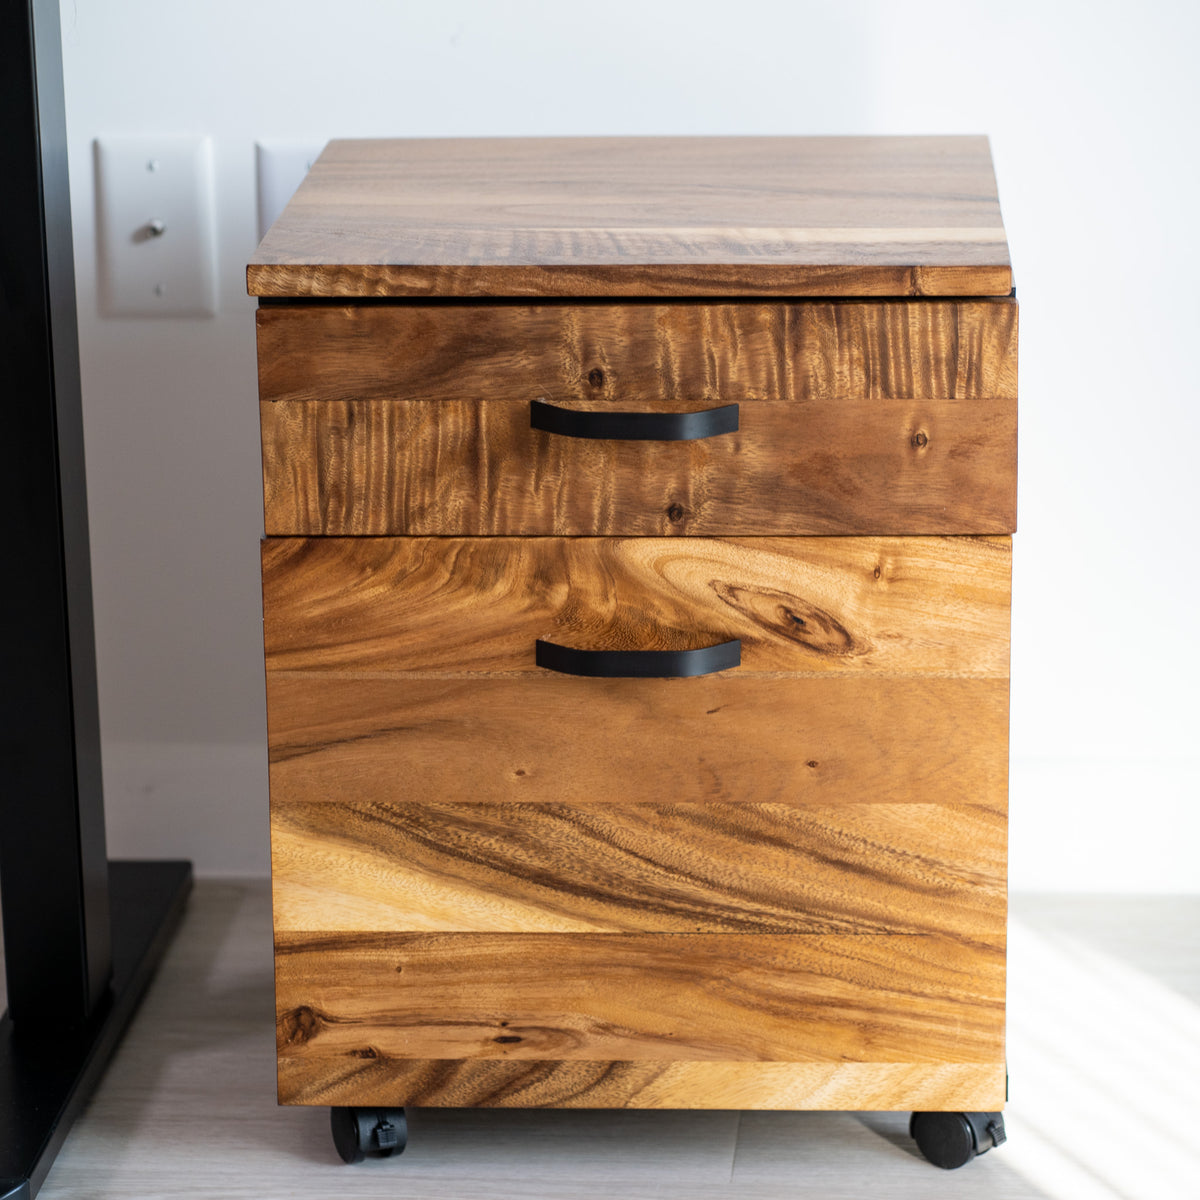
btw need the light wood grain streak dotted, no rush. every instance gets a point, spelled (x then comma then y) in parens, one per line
(751, 280)
(833, 353)
(658, 997)
(845, 606)
(524, 1083)
(597, 742)
(652, 867)
(623, 216)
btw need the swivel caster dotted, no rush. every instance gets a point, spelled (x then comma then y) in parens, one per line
(358, 1132)
(950, 1139)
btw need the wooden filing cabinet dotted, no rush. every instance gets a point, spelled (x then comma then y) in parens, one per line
(636, 610)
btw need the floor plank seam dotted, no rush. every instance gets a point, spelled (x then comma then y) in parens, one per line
(737, 1141)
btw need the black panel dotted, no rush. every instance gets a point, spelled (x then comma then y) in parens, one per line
(72, 985)
(52, 852)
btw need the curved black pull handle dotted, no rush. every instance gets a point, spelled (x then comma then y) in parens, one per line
(639, 664)
(633, 426)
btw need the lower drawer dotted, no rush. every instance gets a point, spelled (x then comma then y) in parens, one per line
(489, 877)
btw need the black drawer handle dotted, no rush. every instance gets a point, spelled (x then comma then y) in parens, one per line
(639, 664)
(633, 426)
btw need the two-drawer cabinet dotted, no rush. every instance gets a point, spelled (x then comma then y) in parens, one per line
(636, 610)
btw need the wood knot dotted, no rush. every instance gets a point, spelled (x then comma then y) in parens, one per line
(519, 772)
(596, 377)
(919, 440)
(365, 1052)
(878, 572)
(676, 513)
(793, 618)
(298, 1026)
(812, 762)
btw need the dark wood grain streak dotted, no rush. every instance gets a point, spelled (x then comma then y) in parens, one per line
(530, 1083)
(638, 866)
(597, 996)
(833, 352)
(641, 216)
(854, 606)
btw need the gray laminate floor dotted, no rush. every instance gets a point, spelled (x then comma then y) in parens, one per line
(1104, 1056)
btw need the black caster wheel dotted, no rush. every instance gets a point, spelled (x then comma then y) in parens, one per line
(358, 1132)
(950, 1139)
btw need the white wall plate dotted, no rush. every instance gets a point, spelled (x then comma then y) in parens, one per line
(280, 166)
(156, 241)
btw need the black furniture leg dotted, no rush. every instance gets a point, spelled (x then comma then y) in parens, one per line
(81, 935)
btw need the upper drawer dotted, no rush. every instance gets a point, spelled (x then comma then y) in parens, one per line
(894, 417)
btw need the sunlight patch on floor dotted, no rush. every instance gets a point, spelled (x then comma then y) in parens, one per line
(1105, 1074)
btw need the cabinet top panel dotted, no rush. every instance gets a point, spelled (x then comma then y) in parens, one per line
(629, 217)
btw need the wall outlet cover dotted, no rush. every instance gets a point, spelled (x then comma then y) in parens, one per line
(280, 167)
(155, 226)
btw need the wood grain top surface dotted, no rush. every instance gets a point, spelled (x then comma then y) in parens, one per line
(744, 216)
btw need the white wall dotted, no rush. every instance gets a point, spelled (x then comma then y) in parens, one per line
(1090, 107)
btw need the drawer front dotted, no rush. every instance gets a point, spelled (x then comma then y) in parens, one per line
(855, 417)
(426, 774)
